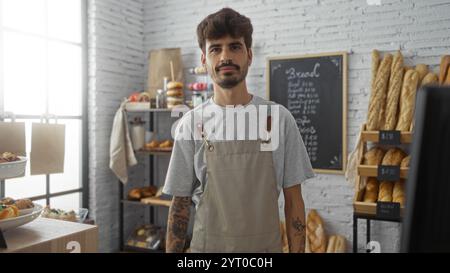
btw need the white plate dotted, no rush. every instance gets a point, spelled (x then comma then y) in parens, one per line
(13, 169)
(26, 211)
(21, 220)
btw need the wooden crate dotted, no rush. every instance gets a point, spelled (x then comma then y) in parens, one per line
(372, 171)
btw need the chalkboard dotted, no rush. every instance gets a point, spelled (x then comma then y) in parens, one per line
(314, 89)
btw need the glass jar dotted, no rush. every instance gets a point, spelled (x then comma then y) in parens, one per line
(160, 99)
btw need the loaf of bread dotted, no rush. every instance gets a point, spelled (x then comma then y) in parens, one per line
(422, 69)
(407, 100)
(393, 94)
(393, 157)
(430, 78)
(316, 233)
(398, 193)
(375, 66)
(374, 156)
(445, 64)
(385, 192)
(336, 244)
(371, 191)
(447, 78)
(377, 101)
(405, 162)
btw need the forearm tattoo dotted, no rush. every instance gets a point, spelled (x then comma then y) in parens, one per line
(177, 224)
(298, 231)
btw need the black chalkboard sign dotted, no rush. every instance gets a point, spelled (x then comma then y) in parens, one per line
(314, 89)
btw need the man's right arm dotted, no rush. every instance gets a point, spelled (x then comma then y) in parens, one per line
(177, 224)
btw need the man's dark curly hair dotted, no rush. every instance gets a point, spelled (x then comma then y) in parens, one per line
(222, 23)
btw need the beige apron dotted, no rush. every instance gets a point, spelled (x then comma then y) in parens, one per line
(238, 211)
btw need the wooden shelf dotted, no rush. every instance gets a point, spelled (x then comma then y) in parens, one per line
(148, 152)
(374, 136)
(369, 208)
(372, 171)
(153, 202)
(149, 201)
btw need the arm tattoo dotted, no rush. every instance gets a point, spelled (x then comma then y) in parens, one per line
(177, 224)
(298, 226)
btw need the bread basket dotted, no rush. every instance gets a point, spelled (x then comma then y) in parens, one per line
(13, 169)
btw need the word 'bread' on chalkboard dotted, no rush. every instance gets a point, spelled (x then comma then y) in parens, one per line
(314, 89)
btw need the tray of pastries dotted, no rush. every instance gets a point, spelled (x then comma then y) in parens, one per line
(66, 215)
(159, 146)
(11, 217)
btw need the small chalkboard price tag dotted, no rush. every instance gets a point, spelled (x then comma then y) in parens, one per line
(389, 137)
(388, 210)
(388, 173)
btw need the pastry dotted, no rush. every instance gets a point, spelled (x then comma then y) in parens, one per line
(315, 233)
(144, 97)
(24, 204)
(9, 157)
(7, 201)
(174, 85)
(393, 94)
(393, 157)
(148, 191)
(407, 100)
(59, 214)
(166, 144)
(378, 95)
(371, 191)
(385, 192)
(134, 194)
(10, 211)
(374, 156)
(153, 144)
(175, 93)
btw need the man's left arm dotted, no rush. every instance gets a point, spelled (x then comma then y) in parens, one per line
(294, 210)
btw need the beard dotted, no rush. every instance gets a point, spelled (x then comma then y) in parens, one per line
(229, 80)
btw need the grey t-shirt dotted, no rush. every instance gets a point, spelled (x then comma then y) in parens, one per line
(186, 175)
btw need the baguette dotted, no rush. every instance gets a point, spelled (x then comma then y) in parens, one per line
(430, 78)
(374, 156)
(393, 157)
(385, 193)
(378, 96)
(447, 78)
(422, 69)
(371, 192)
(393, 94)
(375, 66)
(336, 244)
(407, 100)
(445, 64)
(315, 233)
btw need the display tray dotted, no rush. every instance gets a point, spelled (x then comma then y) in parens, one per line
(157, 150)
(367, 208)
(10, 223)
(374, 136)
(156, 201)
(13, 169)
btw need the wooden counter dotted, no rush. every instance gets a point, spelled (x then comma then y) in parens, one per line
(52, 236)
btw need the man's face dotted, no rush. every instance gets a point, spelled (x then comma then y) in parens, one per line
(227, 60)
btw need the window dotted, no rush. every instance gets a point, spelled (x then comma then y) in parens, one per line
(42, 72)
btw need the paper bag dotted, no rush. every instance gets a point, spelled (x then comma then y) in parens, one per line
(159, 67)
(12, 138)
(47, 148)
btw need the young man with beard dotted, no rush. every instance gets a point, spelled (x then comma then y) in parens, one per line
(224, 170)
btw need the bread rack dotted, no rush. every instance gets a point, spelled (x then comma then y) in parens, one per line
(391, 212)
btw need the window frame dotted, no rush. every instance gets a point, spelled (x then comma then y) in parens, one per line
(84, 165)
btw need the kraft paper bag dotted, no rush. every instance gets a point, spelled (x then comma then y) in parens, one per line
(12, 138)
(159, 67)
(47, 148)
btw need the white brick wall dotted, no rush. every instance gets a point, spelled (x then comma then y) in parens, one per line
(122, 32)
(116, 68)
(421, 29)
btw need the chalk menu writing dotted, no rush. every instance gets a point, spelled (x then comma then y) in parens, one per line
(311, 88)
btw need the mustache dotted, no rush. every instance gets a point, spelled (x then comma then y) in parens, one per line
(227, 64)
